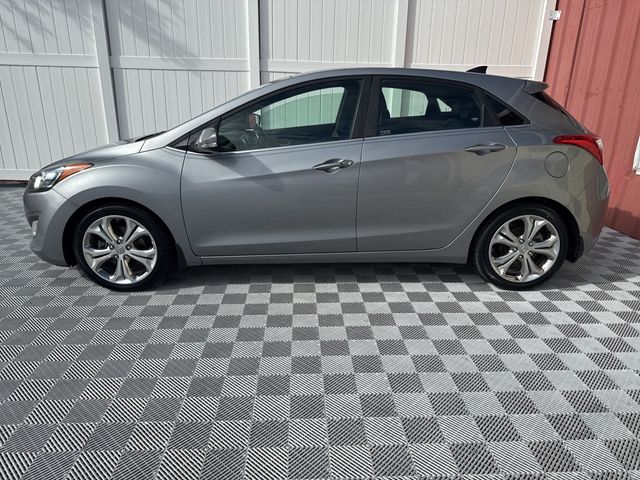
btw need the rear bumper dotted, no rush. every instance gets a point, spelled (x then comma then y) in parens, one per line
(48, 213)
(590, 209)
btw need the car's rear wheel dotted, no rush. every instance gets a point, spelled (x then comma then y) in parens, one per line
(521, 247)
(122, 247)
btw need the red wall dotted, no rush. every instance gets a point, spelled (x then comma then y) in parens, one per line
(594, 71)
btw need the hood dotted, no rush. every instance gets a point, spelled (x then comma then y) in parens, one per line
(110, 150)
(105, 152)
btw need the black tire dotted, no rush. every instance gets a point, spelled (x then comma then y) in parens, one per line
(150, 223)
(481, 256)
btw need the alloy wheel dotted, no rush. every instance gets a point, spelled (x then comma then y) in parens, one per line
(524, 248)
(119, 249)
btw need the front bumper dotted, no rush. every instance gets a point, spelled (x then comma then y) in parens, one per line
(48, 213)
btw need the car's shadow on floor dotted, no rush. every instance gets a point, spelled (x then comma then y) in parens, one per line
(615, 259)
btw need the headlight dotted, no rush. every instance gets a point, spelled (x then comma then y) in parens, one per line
(48, 177)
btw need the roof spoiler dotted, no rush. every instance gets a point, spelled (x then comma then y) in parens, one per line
(478, 69)
(531, 86)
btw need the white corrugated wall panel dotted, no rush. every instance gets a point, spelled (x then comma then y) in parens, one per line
(460, 34)
(302, 35)
(46, 26)
(170, 59)
(150, 100)
(50, 106)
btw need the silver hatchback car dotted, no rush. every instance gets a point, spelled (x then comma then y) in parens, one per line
(357, 165)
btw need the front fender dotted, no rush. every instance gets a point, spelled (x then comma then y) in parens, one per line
(151, 179)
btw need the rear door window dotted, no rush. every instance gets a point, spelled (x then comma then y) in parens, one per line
(411, 106)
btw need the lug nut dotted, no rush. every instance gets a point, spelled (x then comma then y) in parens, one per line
(521, 241)
(110, 247)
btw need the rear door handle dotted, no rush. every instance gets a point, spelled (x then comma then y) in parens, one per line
(484, 148)
(333, 165)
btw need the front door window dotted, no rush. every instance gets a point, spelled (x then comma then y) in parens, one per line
(311, 114)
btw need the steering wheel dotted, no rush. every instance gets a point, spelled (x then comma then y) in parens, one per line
(254, 138)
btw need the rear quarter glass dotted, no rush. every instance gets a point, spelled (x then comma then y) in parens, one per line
(548, 100)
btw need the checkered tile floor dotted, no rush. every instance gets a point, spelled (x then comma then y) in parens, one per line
(319, 371)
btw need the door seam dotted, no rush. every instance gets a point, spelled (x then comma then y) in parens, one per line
(358, 193)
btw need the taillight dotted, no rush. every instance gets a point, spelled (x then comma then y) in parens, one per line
(591, 143)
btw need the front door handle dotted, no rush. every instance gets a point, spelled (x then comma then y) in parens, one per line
(484, 148)
(333, 165)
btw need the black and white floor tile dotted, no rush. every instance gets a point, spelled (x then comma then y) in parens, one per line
(404, 371)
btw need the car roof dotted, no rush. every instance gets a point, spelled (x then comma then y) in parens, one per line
(469, 77)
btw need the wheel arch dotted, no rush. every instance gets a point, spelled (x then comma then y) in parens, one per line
(576, 247)
(67, 243)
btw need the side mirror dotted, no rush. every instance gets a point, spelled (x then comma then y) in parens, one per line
(208, 139)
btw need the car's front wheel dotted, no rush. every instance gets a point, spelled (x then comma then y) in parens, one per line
(521, 247)
(122, 247)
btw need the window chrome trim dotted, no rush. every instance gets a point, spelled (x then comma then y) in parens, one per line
(450, 131)
(275, 149)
